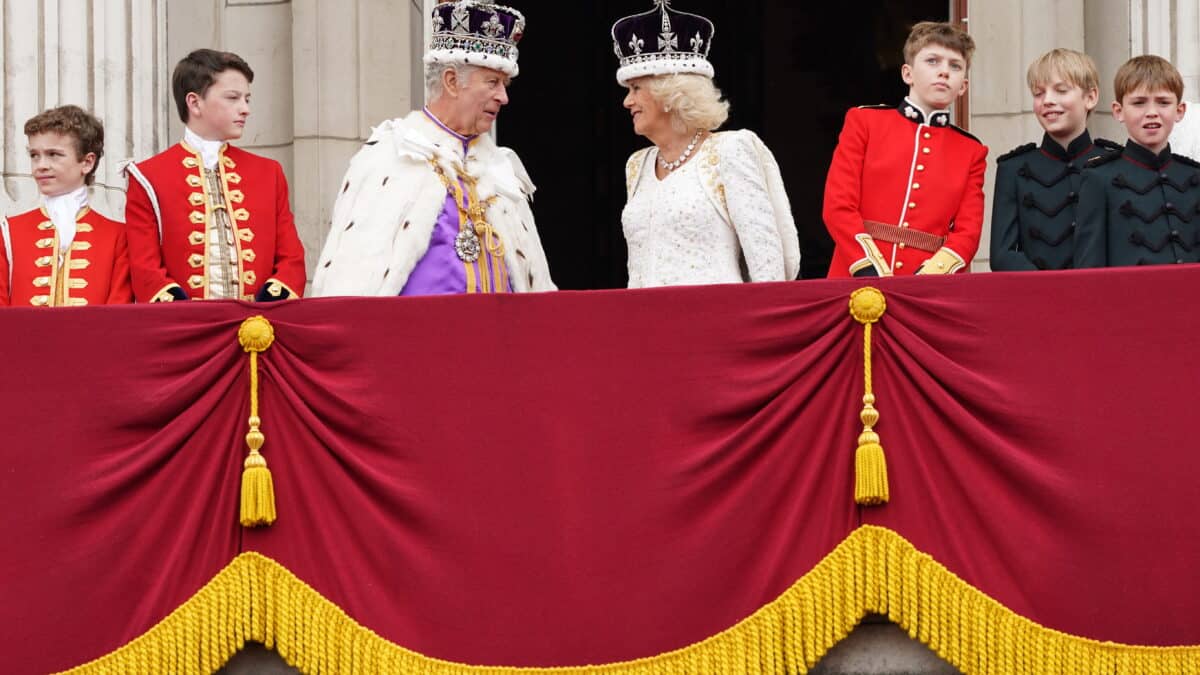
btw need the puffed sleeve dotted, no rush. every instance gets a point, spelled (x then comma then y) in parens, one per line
(288, 268)
(843, 188)
(148, 272)
(752, 211)
(120, 288)
(1006, 224)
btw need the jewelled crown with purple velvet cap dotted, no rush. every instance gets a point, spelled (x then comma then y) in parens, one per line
(662, 41)
(476, 33)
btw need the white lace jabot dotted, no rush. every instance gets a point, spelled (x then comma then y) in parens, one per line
(63, 210)
(209, 150)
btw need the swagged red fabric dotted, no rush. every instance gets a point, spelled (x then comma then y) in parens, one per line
(575, 478)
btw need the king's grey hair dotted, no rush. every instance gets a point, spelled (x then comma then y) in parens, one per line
(433, 77)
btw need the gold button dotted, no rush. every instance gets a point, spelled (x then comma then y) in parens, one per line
(920, 167)
(904, 224)
(927, 135)
(45, 225)
(196, 281)
(196, 217)
(912, 205)
(899, 264)
(902, 246)
(249, 277)
(196, 198)
(193, 181)
(196, 260)
(916, 186)
(925, 150)
(196, 237)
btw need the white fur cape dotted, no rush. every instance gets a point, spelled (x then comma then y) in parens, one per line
(390, 199)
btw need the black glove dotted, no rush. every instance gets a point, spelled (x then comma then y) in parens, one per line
(271, 292)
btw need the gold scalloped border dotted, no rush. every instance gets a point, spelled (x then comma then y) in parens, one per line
(874, 570)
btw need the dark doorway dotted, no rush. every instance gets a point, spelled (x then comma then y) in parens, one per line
(790, 70)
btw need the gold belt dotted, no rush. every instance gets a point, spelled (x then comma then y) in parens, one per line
(904, 235)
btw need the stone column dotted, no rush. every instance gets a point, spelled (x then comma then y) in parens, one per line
(355, 66)
(106, 57)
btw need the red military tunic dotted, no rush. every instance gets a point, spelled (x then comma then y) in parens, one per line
(256, 193)
(904, 171)
(94, 270)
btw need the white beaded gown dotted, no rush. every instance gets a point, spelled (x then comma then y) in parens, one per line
(722, 217)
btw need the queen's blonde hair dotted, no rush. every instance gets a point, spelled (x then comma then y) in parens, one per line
(692, 100)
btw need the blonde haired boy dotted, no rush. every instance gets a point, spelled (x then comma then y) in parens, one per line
(1037, 186)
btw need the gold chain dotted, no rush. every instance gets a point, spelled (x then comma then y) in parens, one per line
(476, 209)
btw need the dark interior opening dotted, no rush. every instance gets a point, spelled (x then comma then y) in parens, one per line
(789, 69)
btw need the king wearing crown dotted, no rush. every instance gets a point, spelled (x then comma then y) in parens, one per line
(431, 205)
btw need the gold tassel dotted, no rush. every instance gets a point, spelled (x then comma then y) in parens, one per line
(867, 306)
(258, 488)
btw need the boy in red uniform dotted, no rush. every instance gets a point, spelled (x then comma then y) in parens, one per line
(206, 219)
(64, 254)
(904, 194)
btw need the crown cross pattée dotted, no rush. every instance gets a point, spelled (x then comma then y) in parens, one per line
(667, 42)
(460, 19)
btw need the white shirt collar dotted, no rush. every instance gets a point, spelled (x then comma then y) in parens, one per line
(63, 210)
(210, 151)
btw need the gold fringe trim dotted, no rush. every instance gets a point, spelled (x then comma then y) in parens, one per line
(874, 570)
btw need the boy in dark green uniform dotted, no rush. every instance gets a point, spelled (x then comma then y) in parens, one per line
(1037, 187)
(1141, 206)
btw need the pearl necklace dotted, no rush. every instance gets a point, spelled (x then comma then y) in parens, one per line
(671, 166)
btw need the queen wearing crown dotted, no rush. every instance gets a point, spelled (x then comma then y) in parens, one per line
(704, 207)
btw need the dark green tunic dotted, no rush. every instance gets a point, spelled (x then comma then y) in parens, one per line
(1035, 202)
(1138, 208)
